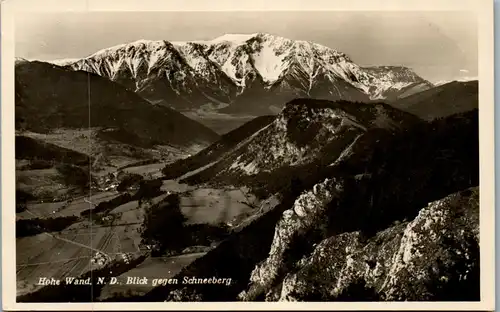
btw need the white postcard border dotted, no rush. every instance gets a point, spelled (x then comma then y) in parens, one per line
(484, 9)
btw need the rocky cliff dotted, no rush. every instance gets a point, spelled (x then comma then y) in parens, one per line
(435, 256)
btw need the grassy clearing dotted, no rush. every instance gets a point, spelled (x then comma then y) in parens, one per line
(153, 170)
(64, 208)
(42, 183)
(175, 187)
(74, 139)
(212, 206)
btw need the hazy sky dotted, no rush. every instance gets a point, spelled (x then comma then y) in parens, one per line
(437, 45)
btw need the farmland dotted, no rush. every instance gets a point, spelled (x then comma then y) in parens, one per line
(68, 252)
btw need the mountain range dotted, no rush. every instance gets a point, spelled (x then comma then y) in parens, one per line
(252, 74)
(306, 133)
(361, 182)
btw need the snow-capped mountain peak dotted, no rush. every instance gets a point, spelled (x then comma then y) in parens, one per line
(234, 38)
(229, 68)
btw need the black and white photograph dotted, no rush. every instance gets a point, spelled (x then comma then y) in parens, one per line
(249, 156)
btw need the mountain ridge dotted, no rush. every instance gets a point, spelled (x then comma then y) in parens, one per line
(443, 100)
(308, 134)
(239, 70)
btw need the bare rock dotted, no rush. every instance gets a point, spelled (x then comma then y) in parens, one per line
(433, 257)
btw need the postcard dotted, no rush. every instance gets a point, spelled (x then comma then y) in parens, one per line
(247, 155)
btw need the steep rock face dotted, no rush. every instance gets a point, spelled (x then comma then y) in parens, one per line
(255, 73)
(433, 257)
(377, 190)
(306, 214)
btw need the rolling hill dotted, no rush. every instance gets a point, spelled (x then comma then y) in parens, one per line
(49, 97)
(441, 101)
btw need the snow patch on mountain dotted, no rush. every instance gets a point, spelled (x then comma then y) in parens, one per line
(233, 38)
(269, 65)
(385, 78)
(232, 62)
(63, 62)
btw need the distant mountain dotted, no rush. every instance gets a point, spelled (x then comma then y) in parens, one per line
(49, 97)
(461, 79)
(441, 101)
(244, 74)
(399, 82)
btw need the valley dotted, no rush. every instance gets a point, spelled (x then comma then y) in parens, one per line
(279, 163)
(77, 244)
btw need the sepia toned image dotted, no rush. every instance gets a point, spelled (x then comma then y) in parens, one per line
(248, 156)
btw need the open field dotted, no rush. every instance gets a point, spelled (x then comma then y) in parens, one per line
(208, 205)
(68, 252)
(74, 139)
(108, 155)
(45, 255)
(152, 169)
(175, 187)
(64, 208)
(41, 182)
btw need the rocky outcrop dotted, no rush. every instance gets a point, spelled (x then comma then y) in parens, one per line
(433, 257)
(307, 213)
